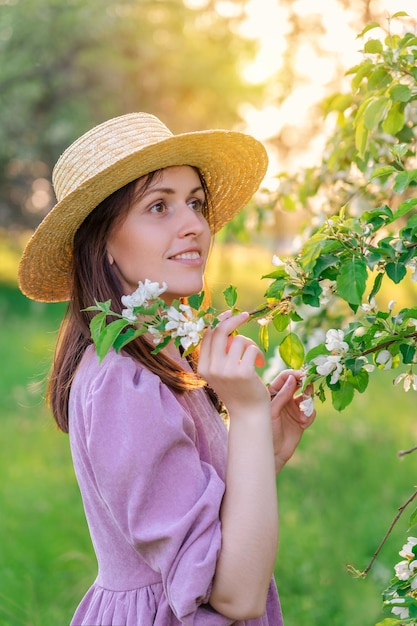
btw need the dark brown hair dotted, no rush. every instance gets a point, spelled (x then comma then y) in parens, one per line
(93, 279)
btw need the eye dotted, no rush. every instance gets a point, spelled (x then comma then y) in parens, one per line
(158, 208)
(197, 205)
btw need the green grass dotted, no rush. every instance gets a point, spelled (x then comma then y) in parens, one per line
(338, 495)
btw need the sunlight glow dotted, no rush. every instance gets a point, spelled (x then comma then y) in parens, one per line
(319, 63)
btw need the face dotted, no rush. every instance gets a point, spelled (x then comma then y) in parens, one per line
(165, 236)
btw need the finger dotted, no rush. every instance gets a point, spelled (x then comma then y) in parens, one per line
(215, 340)
(229, 322)
(278, 382)
(236, 339)
(239, 347)
(221, 333)
(286, 390)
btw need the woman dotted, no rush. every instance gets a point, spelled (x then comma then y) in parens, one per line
(182, 514)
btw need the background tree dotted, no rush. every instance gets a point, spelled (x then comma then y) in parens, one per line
(66, 66)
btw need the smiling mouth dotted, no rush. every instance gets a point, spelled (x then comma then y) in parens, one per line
(187, 255)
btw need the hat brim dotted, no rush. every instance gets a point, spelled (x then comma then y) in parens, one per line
(233, 165)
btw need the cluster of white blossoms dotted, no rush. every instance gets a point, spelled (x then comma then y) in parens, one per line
(331, 363)
(145, 293)
(405, 570)
(183, 323)
(175, 322)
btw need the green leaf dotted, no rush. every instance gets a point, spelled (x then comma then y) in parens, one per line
(351, 281)
(379, 79)
(405, 207)
(311, 293)
(264, 337)
(316, 351)
(361, 138)
(376, 286)
(359, 380)
(367, 28)
(396, 271)
(395, 120)
(401, 182)
(276, 289)
(108, 336)
(96, 325)
(343, 396)
(280, 272)
(127, 336)
(281, 321)
(291, 351)
(196, 300)
(311, 251)
(376, 111)
(373, 46)
(295, 317)
(100, 306)
(413, 518)
(323, 262)
(401, 93)
(230, 295)
(149, 309)
(404, 179)
(408, 352)
(383, 172)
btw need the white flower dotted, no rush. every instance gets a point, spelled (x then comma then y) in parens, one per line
(146, 291)
(384, 358)
(401, 611)
(262, 321)
(334, 342)
(327, 364)
(328, 287)
(391, 305)
(402, 570)
(129, 315)
(157, 335)
(277, 261)
(369, 308)
(407, 549)
(413, 267)
(410, 380)
(182, 323)
(307, 406)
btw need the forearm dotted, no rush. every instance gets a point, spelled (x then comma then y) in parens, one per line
(249, 518)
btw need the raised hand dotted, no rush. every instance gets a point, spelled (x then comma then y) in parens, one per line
(288, 421)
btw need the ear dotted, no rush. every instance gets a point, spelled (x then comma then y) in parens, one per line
(110, 258)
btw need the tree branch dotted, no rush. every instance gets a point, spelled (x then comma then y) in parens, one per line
(401, 510)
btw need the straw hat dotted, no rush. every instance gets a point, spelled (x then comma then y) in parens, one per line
(115, 153)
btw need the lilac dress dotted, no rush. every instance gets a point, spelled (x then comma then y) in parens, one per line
(150, 466)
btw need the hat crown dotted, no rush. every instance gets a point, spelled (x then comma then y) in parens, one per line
(104, 145)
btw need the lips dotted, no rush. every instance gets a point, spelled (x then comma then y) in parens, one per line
(189, 255)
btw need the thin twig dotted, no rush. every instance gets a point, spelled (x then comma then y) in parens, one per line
(401, 510)
(409, 451)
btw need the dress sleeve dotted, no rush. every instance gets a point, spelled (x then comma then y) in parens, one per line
(162, 496)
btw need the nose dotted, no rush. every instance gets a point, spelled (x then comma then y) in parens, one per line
(190, 222)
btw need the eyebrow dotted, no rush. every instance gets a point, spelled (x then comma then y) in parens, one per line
(168, 190)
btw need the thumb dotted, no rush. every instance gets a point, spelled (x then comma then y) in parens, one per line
(287, 390)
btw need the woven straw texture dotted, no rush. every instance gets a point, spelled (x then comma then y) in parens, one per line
(113, 154)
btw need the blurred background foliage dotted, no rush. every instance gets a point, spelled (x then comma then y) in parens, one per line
(66, 66)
